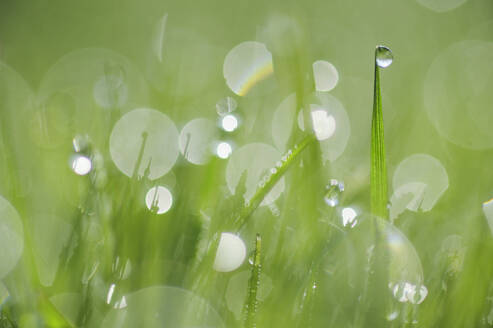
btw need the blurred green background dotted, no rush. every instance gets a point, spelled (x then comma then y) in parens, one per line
(88, 251)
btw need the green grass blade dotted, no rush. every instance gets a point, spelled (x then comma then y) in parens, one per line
(378, 169)
(271, 179)
(308, 300)
(251, 302)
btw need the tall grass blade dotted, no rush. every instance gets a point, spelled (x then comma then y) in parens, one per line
(251, 302)
(378, 169)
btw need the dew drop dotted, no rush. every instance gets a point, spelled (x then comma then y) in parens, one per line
(226, 106)
(418, 294)
(334, 190)
(109, 296)
(80, 143)
(392, 316)
(408, 292)
(349, 217)
(80, 164)
(383, 56)
(251, 258)
(224, 150)
(229, 123)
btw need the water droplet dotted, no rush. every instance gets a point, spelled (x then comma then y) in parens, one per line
(80, 164)
(383, 56)
(80, 143)
(109, 296)
(143, 140)
(251, 257)
(226, 106)
(349, 217)
(229, 123)
(331, 201)
(408, 292)
(418, 295)
(392, 315)
(334, 189)
(273, 170)
(224, 150)
(120, 304)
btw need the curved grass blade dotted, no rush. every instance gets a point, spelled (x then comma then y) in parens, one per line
(378, 169)
(240, 218)
(251, 302)
(271, 179)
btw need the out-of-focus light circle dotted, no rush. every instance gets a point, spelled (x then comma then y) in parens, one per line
(226, 106)
(345, 267)
(81, 164)
(441, 6)
(11, 237)
(256, 161)
(159, 199)
(457, 94)
(245, 65)
(231, 253)
(223, 150)
(324, 125)
(331, 128)
(229, 123)
(87, 81)
(407, 292)
(161, 306)
(419, 181)
(196, 139)
(325, 75)
(237, 290)
(110, 91)
(145, 138)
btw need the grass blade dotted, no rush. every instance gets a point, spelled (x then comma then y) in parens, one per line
(378, 169)
(251, 302)
(271, 180)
